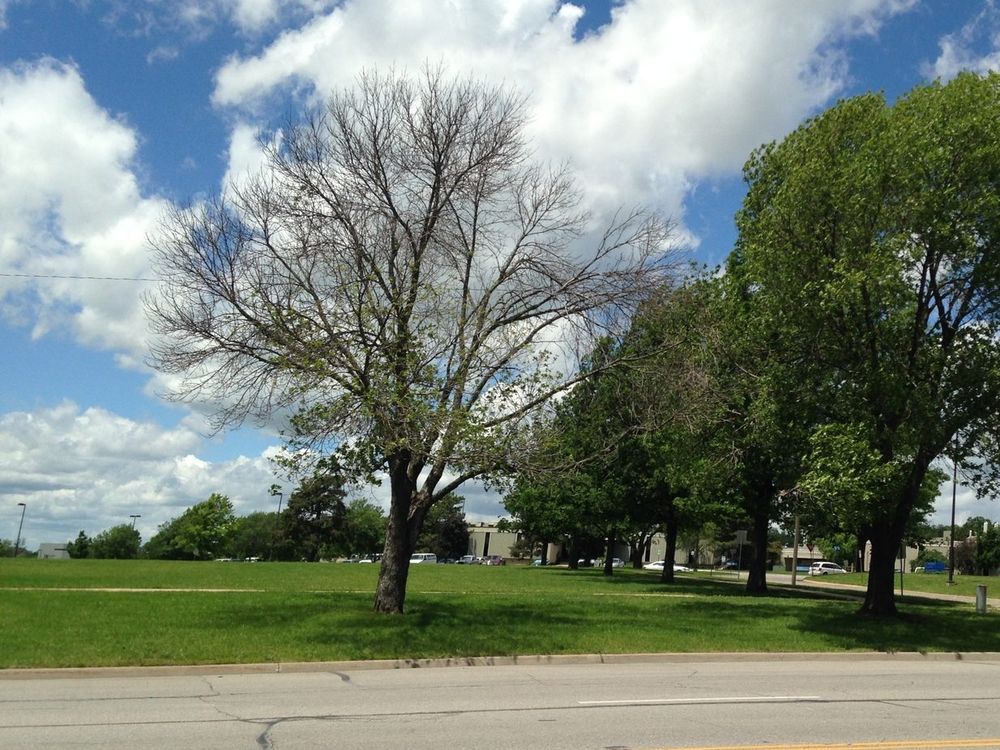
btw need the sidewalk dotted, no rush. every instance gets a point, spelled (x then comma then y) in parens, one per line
(906, 593)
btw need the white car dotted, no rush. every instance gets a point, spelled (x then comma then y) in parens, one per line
(658, 565)
(824, 568)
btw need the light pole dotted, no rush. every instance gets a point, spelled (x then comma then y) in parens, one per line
(277, 518)
(134, 516)
(951, 539)
(17, 541)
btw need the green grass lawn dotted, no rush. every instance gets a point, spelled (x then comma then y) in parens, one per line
(932, 583)
(303, 612)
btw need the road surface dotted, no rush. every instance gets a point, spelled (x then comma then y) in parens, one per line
(684, 702)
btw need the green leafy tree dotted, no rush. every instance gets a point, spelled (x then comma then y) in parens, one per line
(973, 526)
(927, 555)
(867, 250)
(253, 535)
(446, 532)
(399, 264)
(965, 556)
(80, 547)
(315, 514)
(582, 467)
(120, 542)
(199, 533)
(163, 544)
(364, 528)
(988, 550)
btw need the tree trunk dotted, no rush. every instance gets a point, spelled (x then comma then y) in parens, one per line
(760, 524)
(670, 535)
(639, 551)
(574, 553)
(880, 598)
(886, 538)
(757, 571)
(609, 554)
(391, 590)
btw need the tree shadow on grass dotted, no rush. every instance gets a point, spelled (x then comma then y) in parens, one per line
(339, 627)
(712, 617)
(920, 626)
(649, 581)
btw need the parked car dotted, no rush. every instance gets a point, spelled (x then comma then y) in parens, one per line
(467, 560)
(824, 568)
(658, 565)
(494, 560)
(423, 557)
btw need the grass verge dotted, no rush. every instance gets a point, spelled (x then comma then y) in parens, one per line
(302, 612)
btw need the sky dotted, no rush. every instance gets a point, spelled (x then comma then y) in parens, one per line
(112, 111)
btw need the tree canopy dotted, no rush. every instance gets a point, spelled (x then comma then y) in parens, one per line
(397, 274)
(199, 533)
(867, 252)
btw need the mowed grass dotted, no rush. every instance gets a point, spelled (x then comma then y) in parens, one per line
(931, 583)
(312, 612)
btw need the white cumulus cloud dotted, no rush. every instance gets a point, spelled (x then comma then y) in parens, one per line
(975, 47)
(662, 96)
(71, 206)
(90, 469)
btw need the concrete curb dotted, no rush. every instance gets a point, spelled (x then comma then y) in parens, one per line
(483, 661)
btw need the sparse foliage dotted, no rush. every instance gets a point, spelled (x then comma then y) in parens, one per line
(403, 277)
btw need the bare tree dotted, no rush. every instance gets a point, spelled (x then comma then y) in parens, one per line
(404, 277)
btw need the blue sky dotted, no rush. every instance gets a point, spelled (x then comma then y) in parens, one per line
(112, 110)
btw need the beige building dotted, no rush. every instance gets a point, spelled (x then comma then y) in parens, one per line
(486, 539)
(52, 551)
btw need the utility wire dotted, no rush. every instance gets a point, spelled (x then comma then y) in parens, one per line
(77, 278)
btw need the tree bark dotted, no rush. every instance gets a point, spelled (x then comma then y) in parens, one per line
(609, 554)
(757, 571)
(880, 598)
(670, 535)
(886, 537)
(390, 593)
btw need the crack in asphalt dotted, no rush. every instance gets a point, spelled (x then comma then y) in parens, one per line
(274, 721)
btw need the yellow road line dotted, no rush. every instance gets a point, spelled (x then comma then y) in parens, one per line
(894, 745)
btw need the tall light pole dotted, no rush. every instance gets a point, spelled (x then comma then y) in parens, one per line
(17, 541)
(277, 519)
(134, 516)
(951, 539)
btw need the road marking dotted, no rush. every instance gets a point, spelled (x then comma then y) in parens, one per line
(884, 745)
(668, 701)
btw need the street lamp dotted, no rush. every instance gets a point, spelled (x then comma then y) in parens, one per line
(277, 518)
(17, 541)
(951, 540)
(134, 516)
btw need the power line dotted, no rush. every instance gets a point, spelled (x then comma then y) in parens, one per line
(74, 278)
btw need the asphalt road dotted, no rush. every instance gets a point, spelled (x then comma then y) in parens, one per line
(875, 703)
